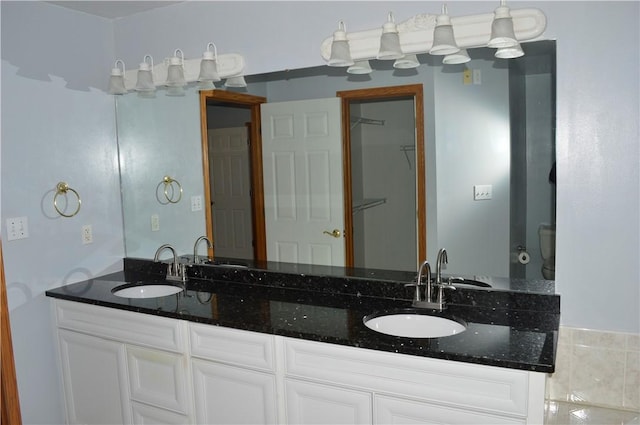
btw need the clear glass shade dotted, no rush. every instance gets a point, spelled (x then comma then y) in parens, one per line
(208, 70)
(457, 58)
(502, 34)
(237, 81)
(145, 81)
(175, 76)
(340, 54)
(360, 67)
(407, 62)
(116, 84)
(510, 52)
(390, 46)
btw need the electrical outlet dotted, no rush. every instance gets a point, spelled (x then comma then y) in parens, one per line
(155, 222)
(87, 234)
(477, 77)
(466, 77)
(482, 192)
(196, 203)
(17, 228)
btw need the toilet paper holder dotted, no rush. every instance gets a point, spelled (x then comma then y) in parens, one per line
(522, 255)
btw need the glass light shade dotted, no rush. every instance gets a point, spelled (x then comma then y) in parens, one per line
(208, 65)
(390, 41)
(510, 52)
(175, 71)
(144, 83)
(502, 34)
(116, 80)
(175, 91)
(457, 58)
(237, 81)
(444, 42)
(360, 67)
(206, 85)
(340, 52)
(407, 62)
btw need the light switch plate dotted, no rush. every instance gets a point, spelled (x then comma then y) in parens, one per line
(482, 192)
(17, 228)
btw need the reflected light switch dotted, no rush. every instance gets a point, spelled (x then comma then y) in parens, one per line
(482, 192)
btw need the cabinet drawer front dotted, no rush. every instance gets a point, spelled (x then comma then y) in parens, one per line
(158, 378)
(232, 346)
(149, 415)
(125, 326)
(409, 412)
(462, 384)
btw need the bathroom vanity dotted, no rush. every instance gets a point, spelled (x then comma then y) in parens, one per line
(287, 344)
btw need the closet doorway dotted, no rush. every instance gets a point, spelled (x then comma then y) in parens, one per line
(232, 168)
(384, 177)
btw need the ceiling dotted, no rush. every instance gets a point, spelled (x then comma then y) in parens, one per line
(112, 9)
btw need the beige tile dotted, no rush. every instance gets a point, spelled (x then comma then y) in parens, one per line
(631, 399)
(597, 376)
(633, 342)
(601, 339)
(565, 335)
(558, 382)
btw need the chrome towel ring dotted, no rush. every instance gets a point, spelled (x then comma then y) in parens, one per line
(61, 189)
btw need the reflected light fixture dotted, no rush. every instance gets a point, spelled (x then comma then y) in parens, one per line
(175, 91)
(360, 67)
(235, 81)
(144, 83)
(390, 41)
(407, 62)
(444, 42)
(510, 52)
(208, 65)
(340, 54)
(116, 81)
(457, 58)
(502, 34)
(175, 72)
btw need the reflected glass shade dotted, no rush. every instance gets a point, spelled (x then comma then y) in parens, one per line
(175, 91)
(502, 34)
(237, 81)
(208, 65)
(407, 62)
(510, 52)
(360, 67)
(444, 42)
(175, 72)
(340, 51)
(116, 80)
(457, 58)
(144, 83)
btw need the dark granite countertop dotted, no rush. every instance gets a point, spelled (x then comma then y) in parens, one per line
(505, 329)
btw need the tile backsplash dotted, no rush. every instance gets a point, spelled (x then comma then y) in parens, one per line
(597, 368)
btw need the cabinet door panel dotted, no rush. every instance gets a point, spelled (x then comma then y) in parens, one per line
(158, 378)
(408, 412)
(149, 415)
(95, 381)
(230, 395)
(311, 403)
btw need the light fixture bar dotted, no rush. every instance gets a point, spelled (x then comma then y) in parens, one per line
(228, 64)
(416, 33)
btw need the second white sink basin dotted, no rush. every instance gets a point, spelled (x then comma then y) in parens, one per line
(146, 291)
(413, 324)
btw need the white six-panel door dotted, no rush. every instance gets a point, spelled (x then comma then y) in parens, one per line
(302, 157)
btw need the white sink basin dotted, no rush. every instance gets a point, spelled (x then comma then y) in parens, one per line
(413, 325)
(146, 291)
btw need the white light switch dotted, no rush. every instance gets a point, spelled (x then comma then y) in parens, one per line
(196, 203)
(155, 222)
(482, 192)
(17, 228)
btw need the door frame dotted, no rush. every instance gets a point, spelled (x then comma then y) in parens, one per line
(385, 93)
(252, 103)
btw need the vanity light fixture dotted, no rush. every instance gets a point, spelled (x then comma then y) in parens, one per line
(457, 58)
(116, 81)
(340, 54)
(235, 81)
(441, 34)
(502, 34)
(360, 67)
(208, 65)
(175, 72)
(444, 42)
(144, 83)
(406, 62)
(390, 41)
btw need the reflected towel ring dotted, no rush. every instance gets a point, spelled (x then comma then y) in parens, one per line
(168, 183)
(63, 188)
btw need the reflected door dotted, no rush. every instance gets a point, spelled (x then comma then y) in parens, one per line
(231, 192)
(302, 157)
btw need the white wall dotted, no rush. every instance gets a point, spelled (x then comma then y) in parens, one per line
(55, 126)
(68, 133)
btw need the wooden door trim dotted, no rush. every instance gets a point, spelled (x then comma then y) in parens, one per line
(257, 199)
(410, 90)
(10, 400)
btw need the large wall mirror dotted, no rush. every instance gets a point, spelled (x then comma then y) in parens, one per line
(489, 153)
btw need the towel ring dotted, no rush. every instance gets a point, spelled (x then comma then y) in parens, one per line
(168, 183)
(61, 189)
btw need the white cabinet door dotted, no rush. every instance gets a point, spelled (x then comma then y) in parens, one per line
(149, 415)
(95, 379)
(231, 395)
(312, 403)
(390, 410)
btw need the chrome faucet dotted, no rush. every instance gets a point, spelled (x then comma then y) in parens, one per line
(429, 294)
(441, 259)
(196, 260)
(175, 270)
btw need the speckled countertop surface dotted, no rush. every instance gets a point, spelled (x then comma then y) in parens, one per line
(504, 328)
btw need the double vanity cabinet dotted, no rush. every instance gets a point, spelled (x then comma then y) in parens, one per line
(233, 352)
